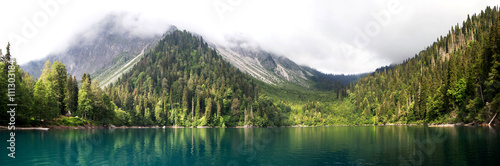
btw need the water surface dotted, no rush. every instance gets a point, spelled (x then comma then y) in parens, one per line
(368, 145)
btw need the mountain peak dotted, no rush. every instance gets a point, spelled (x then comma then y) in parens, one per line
(111, 42)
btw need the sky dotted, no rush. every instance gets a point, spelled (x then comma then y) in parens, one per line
(332, 36)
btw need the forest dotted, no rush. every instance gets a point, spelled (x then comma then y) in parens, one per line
(456, 79)
(55, 94)
(182, 81)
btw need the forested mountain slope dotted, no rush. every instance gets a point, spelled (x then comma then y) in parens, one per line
(455, 79)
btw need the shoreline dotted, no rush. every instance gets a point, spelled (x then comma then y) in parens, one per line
(247, 126)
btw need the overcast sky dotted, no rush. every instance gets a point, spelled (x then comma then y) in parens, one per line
(331, 36)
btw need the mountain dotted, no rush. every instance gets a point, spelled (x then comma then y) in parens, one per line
(109, 49)
(456, 79)
(182, 81)
(278, 70)
(107, 46)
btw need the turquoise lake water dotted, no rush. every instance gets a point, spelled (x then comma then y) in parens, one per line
(356, 145)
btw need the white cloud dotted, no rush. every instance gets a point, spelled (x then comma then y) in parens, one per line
(308, 32)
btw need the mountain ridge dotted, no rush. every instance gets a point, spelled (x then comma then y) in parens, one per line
(111, 45)
(278, 70)
(111, 48)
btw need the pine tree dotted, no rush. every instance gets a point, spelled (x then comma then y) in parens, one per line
(235, 106)
(24, 95)
(208, 111)
(69, 100)
(45, 95)
(59, 79)
(85, 105)
(4, 116)
(492, 82)
(185, 99)
(46, 75)
(74, 97)
(159, 113)
(171, 99)
(40, 100)
(197, 109)
(46, 100)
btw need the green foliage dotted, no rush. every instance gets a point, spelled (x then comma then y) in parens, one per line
(84, 104)
(208, 111)
(458, 92)
(45, 96)
(58, 79)
(55, 93)
(122, 117)
(71, 95)
(72, 121)
(159, 113)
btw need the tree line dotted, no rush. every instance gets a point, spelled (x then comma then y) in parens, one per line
(55, 94)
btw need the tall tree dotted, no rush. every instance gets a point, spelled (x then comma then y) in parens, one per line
(59, 80)
(85, 105)
(69, 100)
(208, 110)
(159, 113)
(185, 99)
(3, 91)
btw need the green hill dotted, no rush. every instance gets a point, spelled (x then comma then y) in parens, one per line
(456, 79)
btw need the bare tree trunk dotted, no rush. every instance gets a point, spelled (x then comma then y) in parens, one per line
(246, 117)
(251, 111)
(492, 119)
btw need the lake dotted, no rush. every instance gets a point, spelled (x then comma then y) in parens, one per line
(354, 145)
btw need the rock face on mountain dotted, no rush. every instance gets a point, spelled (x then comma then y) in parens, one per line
(265, 66)
(106, 45)
(279, 70)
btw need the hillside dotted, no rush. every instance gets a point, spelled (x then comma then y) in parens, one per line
(456, 79)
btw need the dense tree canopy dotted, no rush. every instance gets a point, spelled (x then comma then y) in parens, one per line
(454, 80)
(179, 82)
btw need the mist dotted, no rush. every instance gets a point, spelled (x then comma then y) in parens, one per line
(332, 36)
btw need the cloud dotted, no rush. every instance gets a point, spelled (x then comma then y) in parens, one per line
(321, 34)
